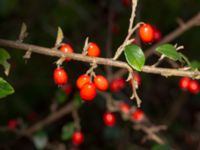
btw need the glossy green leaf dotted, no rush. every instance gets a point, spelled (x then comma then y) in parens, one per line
(40, 139)
(5, 88)
(77, 100)
(195, 64)
(61, 96)
(67, 131)
(169, 51)
(162, 147)
(134, 56)
(4, 56)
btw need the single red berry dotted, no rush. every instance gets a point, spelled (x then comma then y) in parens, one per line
(146, 33)
(32, 116)
(12, 124)
(157, 34)
(101, 82)
(137, 78)
(117, 85)
(194, 87)
(184, 83)
(77, 138)
(67, 89)
(60, 76)
(67, 49)
(83, 79)
(125, 108)
(115, 29)
(93, 50)
(88, 92)
(137, 115)
(109, 119)
(126, 3)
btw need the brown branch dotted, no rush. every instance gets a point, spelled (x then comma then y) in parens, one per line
(194, 21)
(49, 119)
(103, 61)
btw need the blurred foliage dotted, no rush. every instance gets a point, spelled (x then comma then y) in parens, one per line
(35, 90)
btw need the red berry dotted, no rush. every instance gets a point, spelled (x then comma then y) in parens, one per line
(137, 115)
(126, 3)
(101, 82)
(32, 116)
(60, 76)
(93, 50)
(125, 108)
(194, 87)
(83, 79)
(67, 49)
(146, 33)
(117, 85)
(157, 34)
(67, 89)
(12, 124)
(109, 119)
(137, 78)
(88, 92)
(77, 138)
(184, 83)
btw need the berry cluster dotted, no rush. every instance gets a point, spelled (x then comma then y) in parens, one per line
(149, 33)
(192, 86)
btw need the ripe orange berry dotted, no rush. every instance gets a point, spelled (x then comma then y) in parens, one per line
(137, 115)
(60, 76)
(146, 33)
(83, 79)
(101, 82)
(93, 50)
(117, 85)
(194, 87)
(67, 49)
(88, 92)
(77, 138)
(109, 119)
(125, 108)
(184, 83)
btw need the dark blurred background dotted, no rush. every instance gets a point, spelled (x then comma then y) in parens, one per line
(163, 101)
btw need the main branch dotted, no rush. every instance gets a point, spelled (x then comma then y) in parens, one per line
(103, 61)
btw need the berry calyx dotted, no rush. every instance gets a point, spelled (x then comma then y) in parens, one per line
(194, 87)
(60, 76)
(83, 79)
(101, 82)
(117, 85)
(184, 83)
(146, 33)
(125, 108)
(109, 119)
(137, 115)
(77, 138)
(88, 92)
(67, 49)
(93, 50)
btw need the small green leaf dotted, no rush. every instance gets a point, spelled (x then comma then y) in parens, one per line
(40, 139)
(161, 147)
(67, 131)
(5, 88)
(77, 100)
(195, 64)
(134, 56)
(4, 56)
(169, 51)
(59, 36)
(61, 96)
